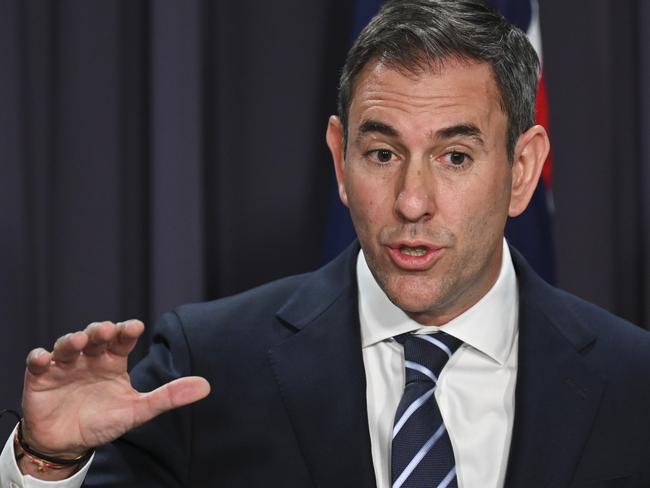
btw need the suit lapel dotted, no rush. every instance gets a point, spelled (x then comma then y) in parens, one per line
(557, 396)
(319, 371)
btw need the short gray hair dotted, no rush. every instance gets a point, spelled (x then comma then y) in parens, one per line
(416, 35)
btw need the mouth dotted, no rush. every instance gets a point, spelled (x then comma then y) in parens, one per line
(414, 256)
(413, 251)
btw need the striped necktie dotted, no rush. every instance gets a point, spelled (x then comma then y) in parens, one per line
(422, 456)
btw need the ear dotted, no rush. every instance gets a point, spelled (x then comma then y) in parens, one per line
(334, 137)
(530, 154)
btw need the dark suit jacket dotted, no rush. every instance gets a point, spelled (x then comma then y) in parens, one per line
(288, 405)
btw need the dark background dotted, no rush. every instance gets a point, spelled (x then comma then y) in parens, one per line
(161, 152)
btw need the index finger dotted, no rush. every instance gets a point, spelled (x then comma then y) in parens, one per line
(127, 337)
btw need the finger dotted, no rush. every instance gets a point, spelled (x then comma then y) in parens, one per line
(177, 393)
(126, 338)
(100, 334)
(38, 361)
(67, 348)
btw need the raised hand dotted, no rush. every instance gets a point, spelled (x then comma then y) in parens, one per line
(79, 396)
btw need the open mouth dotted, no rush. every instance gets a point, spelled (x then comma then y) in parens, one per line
(414, 256)
(413, 251)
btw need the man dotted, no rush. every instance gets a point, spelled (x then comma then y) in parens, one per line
(433, 149)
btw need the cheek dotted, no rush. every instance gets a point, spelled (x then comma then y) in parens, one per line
(370, 200)
(479, 210)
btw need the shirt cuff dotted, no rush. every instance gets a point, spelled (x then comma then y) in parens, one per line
(11, 477)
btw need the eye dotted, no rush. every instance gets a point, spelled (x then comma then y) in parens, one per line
(384, 155)
(457, 158)
(381, 156)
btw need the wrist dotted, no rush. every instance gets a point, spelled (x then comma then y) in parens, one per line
(46, 466)
(28, 443)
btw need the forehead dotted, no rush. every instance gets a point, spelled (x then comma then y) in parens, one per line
(457, 89)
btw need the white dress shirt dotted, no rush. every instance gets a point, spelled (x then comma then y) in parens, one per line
(475, 391)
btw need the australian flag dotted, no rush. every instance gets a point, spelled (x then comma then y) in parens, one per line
(531, 232)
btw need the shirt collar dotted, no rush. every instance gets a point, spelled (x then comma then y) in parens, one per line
(489, 326)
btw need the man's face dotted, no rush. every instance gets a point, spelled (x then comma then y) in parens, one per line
(428, 183)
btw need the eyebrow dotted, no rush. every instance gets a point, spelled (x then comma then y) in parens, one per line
(369, 126)
(466, 130)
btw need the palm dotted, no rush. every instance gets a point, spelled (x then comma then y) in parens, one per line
(80, 395)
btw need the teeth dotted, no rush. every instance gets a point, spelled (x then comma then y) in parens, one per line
(413, 251)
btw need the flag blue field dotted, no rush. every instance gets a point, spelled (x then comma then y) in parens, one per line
(531, 232)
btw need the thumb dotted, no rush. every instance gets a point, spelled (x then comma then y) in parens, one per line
(174, 394)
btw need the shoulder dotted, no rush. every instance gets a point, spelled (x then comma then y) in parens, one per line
(271, 309)
(209, 338)
(618, 345)
(599, 319)
(226, 319)
(599, 336)
(257, 302)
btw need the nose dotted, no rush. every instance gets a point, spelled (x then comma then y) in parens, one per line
(414, 201)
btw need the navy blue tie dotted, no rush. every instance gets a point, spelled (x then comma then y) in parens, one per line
(422, 455)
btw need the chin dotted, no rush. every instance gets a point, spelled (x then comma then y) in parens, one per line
(414, 295)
